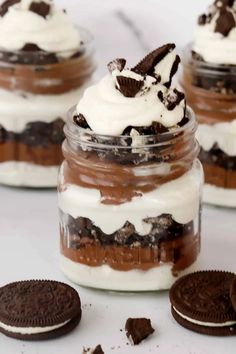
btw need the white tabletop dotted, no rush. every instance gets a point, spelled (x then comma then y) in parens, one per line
(29, 233)
(29, 249)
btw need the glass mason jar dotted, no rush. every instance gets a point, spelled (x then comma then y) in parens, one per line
(129, 207)
(211, 92)
(36, 90)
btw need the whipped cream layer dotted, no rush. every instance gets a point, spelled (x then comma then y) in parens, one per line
(17, 109)
(222, 134)
(215, 35)
(108, 112)
(179, 198)
(219, 196)
(22, 174)
(136, 97)
(55, 33)
(104, 277)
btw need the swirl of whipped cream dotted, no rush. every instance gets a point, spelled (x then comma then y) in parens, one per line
(213, 46)
(109, 112)
(55, 33)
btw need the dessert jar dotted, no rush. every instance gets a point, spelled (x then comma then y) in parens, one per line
(36, 90)
(130, 207)
(211, 92)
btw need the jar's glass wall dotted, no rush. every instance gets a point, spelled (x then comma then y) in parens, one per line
(211, 92)
(36, 90)
(129, 211)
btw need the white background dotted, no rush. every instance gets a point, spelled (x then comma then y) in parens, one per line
(28, 219)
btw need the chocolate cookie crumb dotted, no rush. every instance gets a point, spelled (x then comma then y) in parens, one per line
(138, 329)
(5, 6)
(40, 8)
(117, 64)
(225, 22)
(128, 86)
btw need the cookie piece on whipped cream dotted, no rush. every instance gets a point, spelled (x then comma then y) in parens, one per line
(38, 309)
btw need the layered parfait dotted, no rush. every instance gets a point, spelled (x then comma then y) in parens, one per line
(209, 81)
(130, 185)
(45, 63)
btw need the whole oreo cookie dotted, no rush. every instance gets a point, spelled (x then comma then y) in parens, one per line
(233, 293)
(38, 309)
(201, 303)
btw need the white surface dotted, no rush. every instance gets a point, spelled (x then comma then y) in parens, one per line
(29, 230)
(29, 249)
(179, 198)
(104, 277)
(219, 196)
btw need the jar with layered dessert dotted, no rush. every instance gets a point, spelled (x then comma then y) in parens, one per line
(130, 185)
(45, 64)
(209, 81)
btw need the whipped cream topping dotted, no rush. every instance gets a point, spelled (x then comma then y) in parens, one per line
(215, 35)
(20, 25)
(135, 97)
(222, 134)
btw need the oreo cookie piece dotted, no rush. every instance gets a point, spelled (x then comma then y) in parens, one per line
(40, 8)
(233, 293)
(201, 303)
(138, 329)
(5, 6)
(38, 309)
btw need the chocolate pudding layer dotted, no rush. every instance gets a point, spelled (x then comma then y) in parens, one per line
(124, 250)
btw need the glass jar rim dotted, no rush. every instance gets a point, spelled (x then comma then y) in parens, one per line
(86, 39)
(86, 136)
(205, 67)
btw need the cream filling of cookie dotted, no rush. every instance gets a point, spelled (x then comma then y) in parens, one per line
(31, 330)
(205, 324)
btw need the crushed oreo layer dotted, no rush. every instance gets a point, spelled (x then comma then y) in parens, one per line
(40, 8)
(225, 21)
(36, 134)
(163, 228)
(4, 7)
(215, 156)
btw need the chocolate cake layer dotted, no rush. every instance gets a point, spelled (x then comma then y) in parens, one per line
(168, 242)
(39, 143)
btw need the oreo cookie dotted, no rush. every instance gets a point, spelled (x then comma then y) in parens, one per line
(201, 303)
(38, 309)
(233, 293)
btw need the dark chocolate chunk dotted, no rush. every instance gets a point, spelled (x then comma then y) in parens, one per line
(40, 8)
(204, 297)
(173, 71)
(233, 294)
(171, 100)
(30, 47)
(39, 303)
(117, 64)
(98, 350)
(202, 19)
(147, 65)
(224, 3)
(81, 121)
(138, 329)
(225, 22)
(128, 86)
(6, 4)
